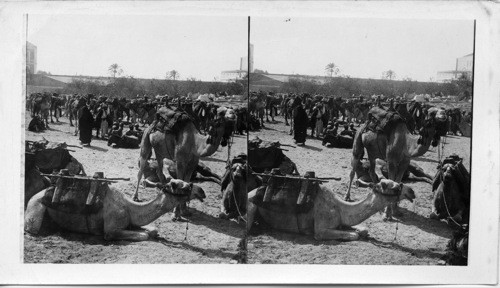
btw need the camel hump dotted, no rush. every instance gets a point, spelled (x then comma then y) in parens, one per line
(73, 196)
(170, 121)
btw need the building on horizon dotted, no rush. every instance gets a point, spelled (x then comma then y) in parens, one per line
(245, 66)
(31, 58)
(463, 66)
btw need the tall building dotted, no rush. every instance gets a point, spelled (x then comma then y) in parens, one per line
(31, 58)
(463, 66)
(232, 75)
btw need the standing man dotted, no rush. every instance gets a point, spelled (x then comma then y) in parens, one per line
(300, 121)
(85, 125)
(104, 120)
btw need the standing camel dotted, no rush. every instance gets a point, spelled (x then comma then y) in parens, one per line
(41, 105)
(184, 146)
(389, 145)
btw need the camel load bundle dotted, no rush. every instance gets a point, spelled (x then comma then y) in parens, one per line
(287, 194)
(76, 194)
(266, 155)
(380, 120)
(170, 121)
(52, 156)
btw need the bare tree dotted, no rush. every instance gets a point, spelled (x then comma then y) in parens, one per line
(115, 69)
(173, 75)
(332, 69)
(389, 74)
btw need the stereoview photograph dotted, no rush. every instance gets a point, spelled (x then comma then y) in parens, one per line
(360, 141)
(133, 151)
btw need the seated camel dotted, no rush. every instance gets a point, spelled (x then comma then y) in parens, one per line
(53, 156)
(151, 178)
(110, 213)
(330, 218)
(236, 182)
(451, 188)
(413, 172)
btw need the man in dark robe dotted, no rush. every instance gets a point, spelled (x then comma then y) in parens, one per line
(300, 123)
(85, 125)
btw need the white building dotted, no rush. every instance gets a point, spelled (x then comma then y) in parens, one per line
(463, 66)
(232, 75)
(31, 58)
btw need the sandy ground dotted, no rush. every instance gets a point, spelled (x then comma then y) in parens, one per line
(412, 240)
(207, 239)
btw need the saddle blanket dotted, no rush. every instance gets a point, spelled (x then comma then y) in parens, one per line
(382, 121)
(170, 121)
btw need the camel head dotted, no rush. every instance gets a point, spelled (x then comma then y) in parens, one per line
(436, 125)
(238, 171)
(447, 172)
(220, 128)
(180, 188)
(388, 188)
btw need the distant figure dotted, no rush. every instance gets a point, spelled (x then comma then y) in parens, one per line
(300, 122)
(85, 125)
(115, 134)
(103, 115)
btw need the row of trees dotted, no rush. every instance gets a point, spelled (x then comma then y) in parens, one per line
(115, 70)
(332, 69)
(130, 87)
(347, 86)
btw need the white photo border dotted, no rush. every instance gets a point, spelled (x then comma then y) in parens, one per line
(484, 223)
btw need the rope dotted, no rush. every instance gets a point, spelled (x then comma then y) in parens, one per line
(229, 144)
(396, 233)
(446, 206)
(238, 209)
(187, 224)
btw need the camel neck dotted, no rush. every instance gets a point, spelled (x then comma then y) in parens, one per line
(357, 212)
(146, 212)
(205, 149)
(416, 149)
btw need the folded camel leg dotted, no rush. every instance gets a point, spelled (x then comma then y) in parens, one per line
(334, 234)
(251, 209)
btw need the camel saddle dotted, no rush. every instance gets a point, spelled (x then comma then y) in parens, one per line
(287, 195)
(382, 121)
(73, 196)
(170, 121)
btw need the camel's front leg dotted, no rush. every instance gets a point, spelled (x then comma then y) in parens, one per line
(184, 171)
(396, 172)
(142, 166)
(127, 235)
(35, 211)
(379, 163)
(334, 234)
(351, 177)
(251, 209)
(419, 173)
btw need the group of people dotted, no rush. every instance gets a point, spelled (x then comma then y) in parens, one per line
(106, 126)
(318, 121)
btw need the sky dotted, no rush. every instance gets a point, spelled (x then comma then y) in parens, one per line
(362, 48)
(147, 46)
(144, 46)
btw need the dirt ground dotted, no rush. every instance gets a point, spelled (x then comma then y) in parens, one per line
(204, 239)
(413, 239)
